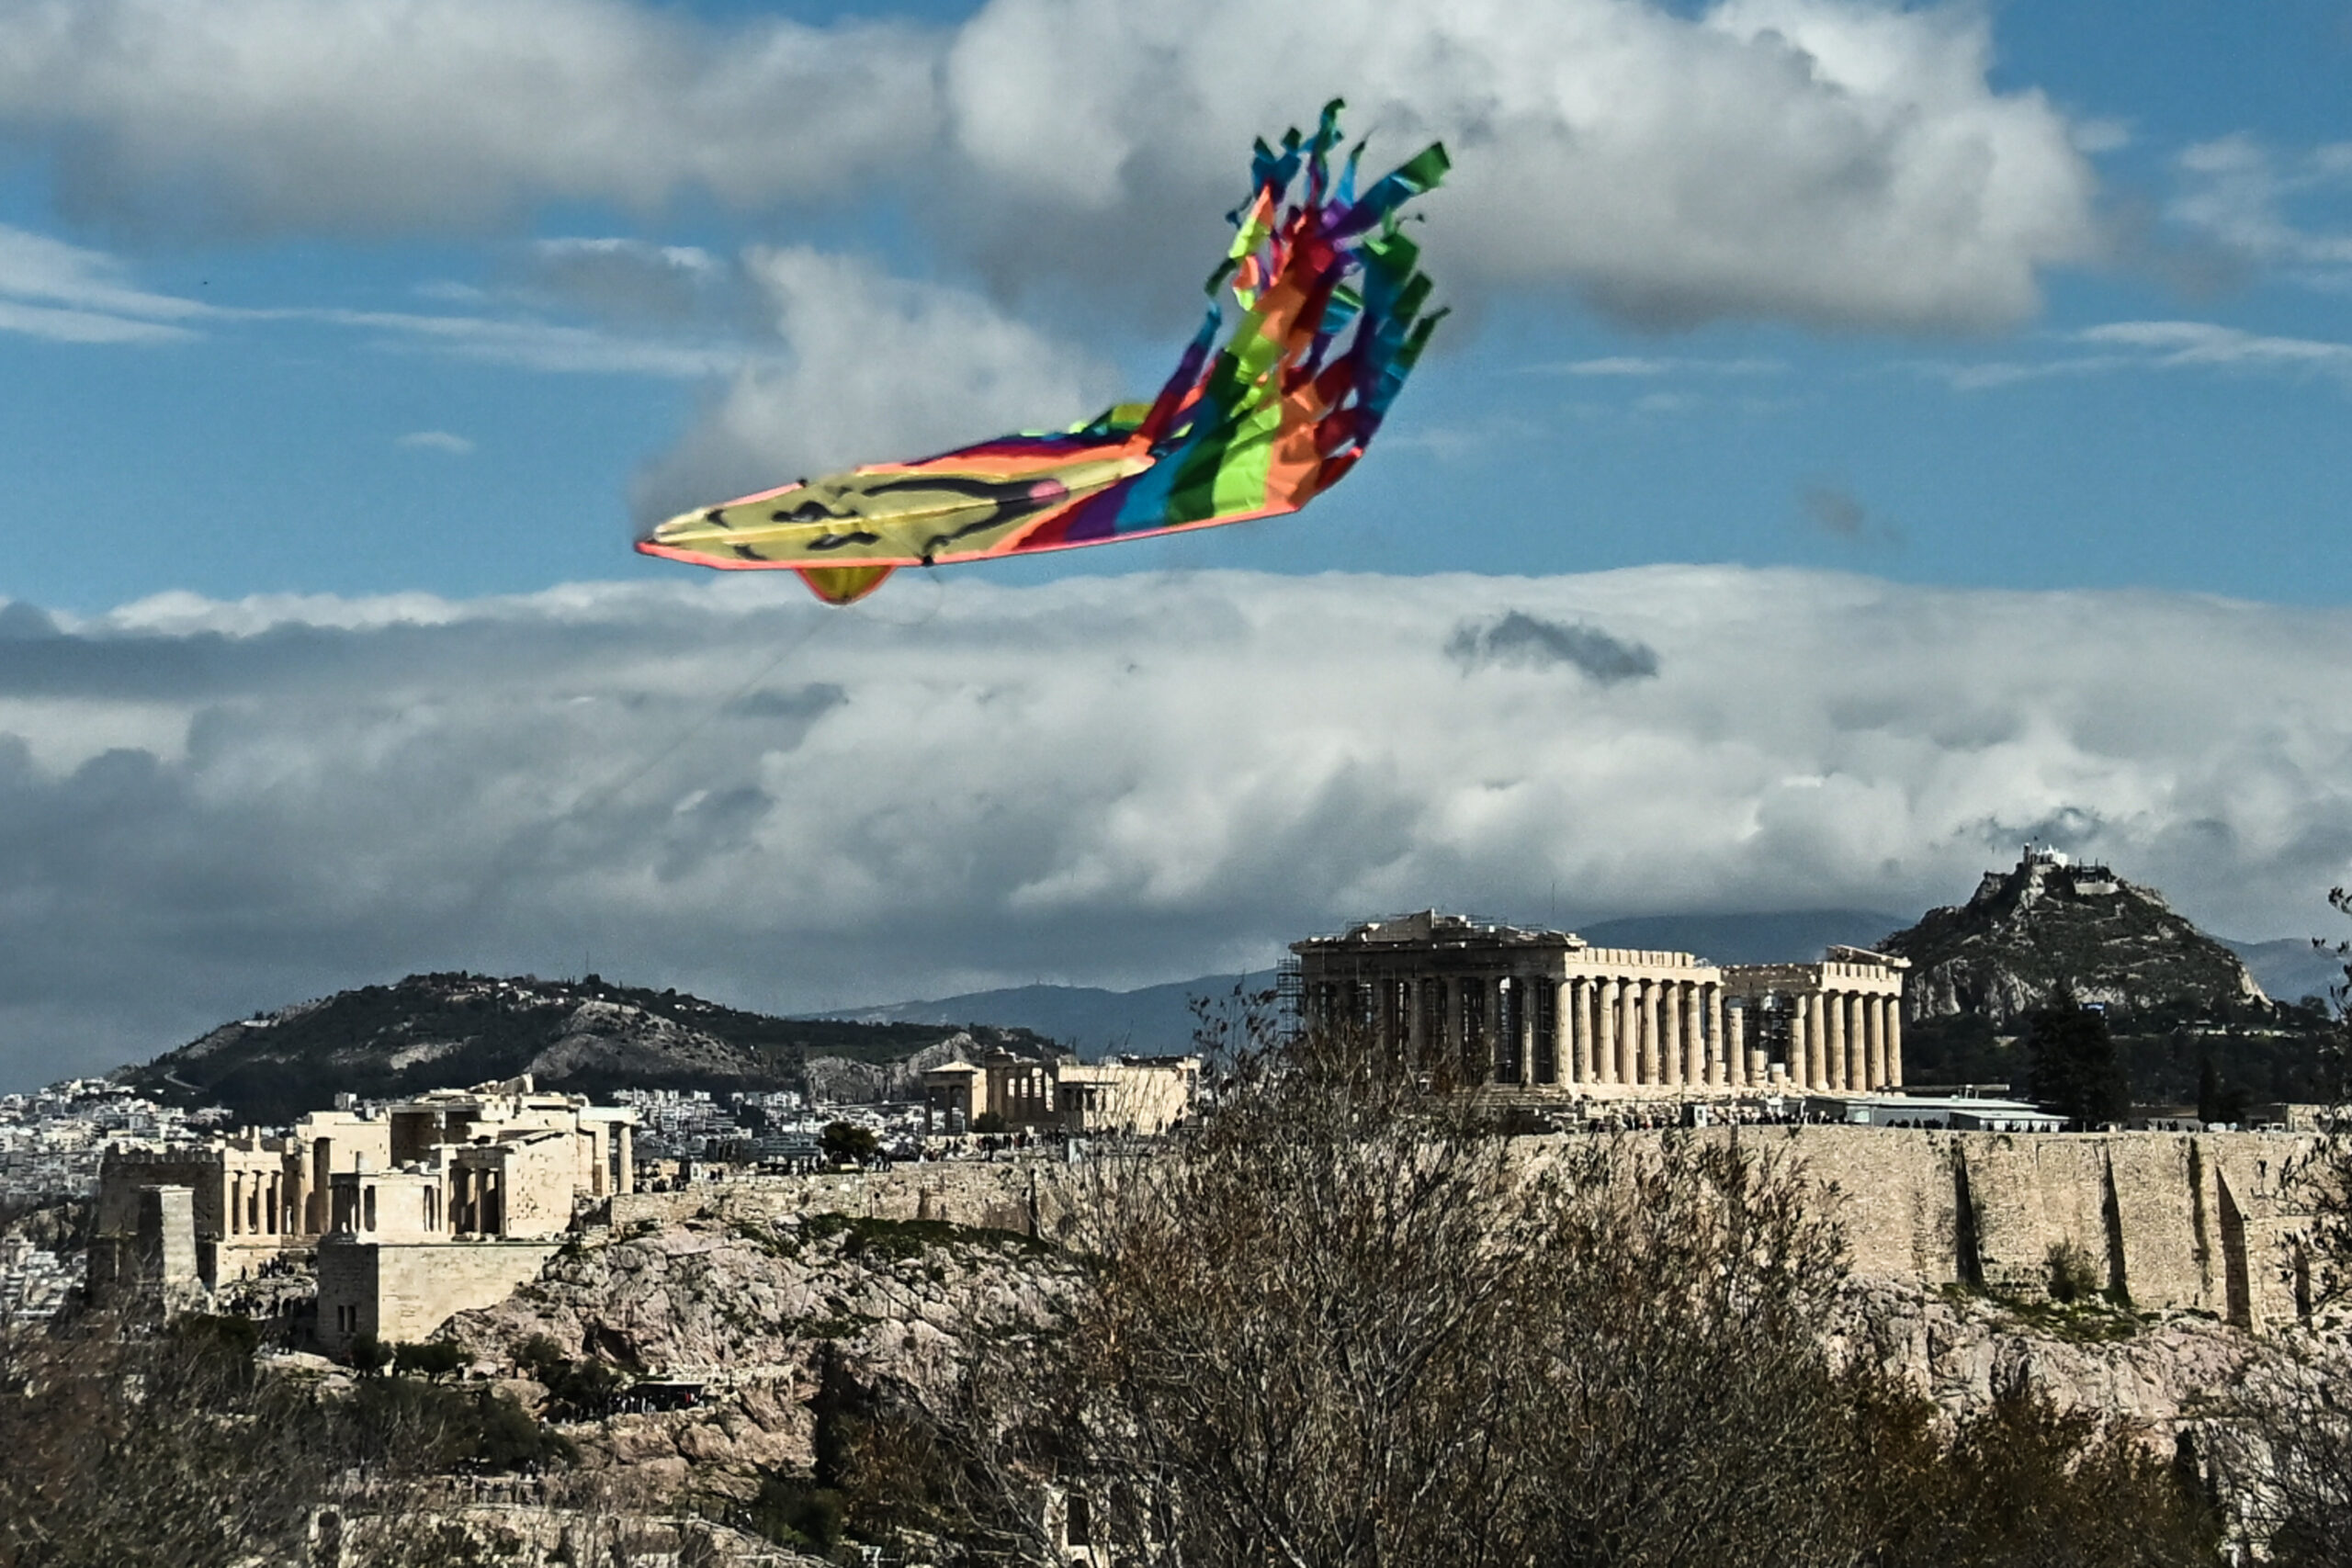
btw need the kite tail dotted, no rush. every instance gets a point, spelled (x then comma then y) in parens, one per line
(1332, 317)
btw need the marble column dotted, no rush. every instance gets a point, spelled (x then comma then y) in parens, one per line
(1816, 1034)
(1858, 1075)
(1607, 1009)
(1669, 1046)
(1723, 1069)
(1457, 1025)
(1894, 1042)
(1834, 1005)
(629, 1159)
(1653, 1068)
(1670, 1022)
(1579, 1005)
(1629, 1031)
(1510, 1003)
(1523, 993)
(1617, 1011)
(1874, 1022)
(1500, 1045)
(1695, 1035)
(1564, 1030)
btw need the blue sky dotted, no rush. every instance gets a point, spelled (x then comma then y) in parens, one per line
(299, 448)
(322, 322)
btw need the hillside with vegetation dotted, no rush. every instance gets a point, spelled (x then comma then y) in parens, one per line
(587, 1036)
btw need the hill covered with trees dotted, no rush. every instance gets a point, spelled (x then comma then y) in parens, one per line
(587, 1036)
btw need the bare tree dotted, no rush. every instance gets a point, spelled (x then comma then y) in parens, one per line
(164, 1449)
(2293, 1463)
(1344, 1321)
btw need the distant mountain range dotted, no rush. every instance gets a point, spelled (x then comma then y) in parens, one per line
(1153, 1021)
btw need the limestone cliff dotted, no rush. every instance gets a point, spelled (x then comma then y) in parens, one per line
(1962, 1350)
(753, 1305)
(2046, 928)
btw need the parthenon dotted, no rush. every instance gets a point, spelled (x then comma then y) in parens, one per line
(1529, 1009)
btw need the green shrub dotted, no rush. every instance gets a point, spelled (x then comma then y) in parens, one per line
(576, 1389)
(2073, 1277)
(398, 1419)
(798, 1513)
(844, 1142)
(434, 1359)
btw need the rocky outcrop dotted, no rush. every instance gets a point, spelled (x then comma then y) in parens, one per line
(839, 1080)
(1963, 1351)
(751, 1310)
(2047, 929)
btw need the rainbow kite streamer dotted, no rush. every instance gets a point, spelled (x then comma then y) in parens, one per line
(1332, 323)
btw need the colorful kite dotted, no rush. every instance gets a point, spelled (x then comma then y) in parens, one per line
(1332, 323)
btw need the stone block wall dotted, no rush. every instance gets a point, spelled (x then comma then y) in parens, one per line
(403, 1293)
(1033, 1197)
(2172, 1221)
(2197, 1221)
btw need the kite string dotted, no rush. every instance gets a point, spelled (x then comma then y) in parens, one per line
(498, 867)
(605, 793)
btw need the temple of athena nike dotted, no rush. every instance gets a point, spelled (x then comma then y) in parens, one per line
(1542, 1014)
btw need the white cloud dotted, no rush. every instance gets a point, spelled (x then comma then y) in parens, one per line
(2203, 342)
(52, 289)
(631, 281)
(2094, 137)
(73, 294)
(390, 115)
(2238, 193)
(1832, 161)
(436, 440)
(1111, 780)
(2141, 347)
(85, 326)
(1626, 365)
(859, 367)
(556, 347)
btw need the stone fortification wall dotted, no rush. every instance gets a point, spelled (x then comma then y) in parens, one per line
(153, 1263)
(404, 1292)
(2175, 1221)
(124, 1172)
(2171, 1221)
(1033, 1197)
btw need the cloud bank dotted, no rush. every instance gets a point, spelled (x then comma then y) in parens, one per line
(1830, 162)
(210, 808)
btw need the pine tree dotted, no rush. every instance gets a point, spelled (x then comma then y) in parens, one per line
(2074, 1071)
